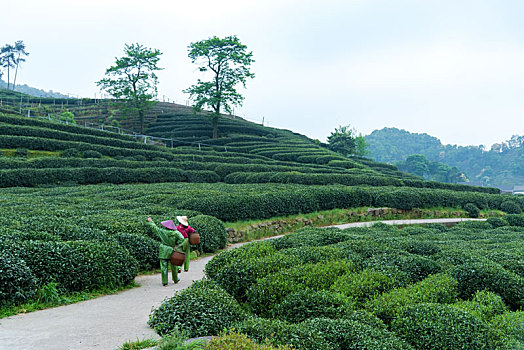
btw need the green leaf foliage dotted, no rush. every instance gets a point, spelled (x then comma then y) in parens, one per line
(213, 235)
(200, 310)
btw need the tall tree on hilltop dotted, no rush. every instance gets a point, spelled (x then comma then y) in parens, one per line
(19, 53)
(228, 61)
(342, 140)
(8, 58)
(133, 79)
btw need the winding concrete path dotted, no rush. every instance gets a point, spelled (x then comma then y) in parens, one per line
(109, 321)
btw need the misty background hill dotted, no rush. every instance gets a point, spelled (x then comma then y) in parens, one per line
(502, 165)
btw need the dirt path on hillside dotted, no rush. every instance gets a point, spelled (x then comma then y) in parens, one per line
(109, 321)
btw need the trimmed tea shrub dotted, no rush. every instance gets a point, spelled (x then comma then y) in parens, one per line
(440, 288)
(485, 305)
(279, 332)
(142, 248)
(314, 255)
(515, 219)
(203, 309)
(307, 303)
(472, 209)
(79, 265)
(236, 278)
(237, 256)
(415, 266)
(510, 328)
(438, 326)
(510, 207)
(17, 283)
(272, 289)
(237, 341)
(475, 276)
(497, 222)
(93, 154)
(213, 235)
(364, 285)
(346, 334)
(71, 153)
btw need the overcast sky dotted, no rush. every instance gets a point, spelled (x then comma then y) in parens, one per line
(451, 68)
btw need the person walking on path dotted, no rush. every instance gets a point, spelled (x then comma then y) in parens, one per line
(185, 230)
(171, 239)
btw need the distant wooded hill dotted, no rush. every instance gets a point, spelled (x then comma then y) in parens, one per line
(502, 165)
(33, 91)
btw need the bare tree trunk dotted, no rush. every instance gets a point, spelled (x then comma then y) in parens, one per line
(16, 72)
(215, 128)
(8, 75)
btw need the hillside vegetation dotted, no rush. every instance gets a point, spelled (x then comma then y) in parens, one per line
(501, 165)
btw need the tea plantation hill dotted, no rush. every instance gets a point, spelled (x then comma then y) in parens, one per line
(245, 152)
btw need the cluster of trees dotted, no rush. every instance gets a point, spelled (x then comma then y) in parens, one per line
(344, 140)
(501, 165)
(10, 58)
(133, 77)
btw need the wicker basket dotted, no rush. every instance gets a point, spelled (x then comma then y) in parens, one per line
(194, 238)
(177, 258)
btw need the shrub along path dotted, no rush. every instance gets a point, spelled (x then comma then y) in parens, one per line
(109, 321)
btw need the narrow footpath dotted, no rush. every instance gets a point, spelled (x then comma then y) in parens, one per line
(109, 321)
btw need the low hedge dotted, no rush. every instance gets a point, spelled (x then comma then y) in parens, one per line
(203, 309)
(364, 285)
(347, 334)
(484, 305)
(17, 283)
(440, 288)
(237, 277)
(438, 326)
(475, 276)
(237, 341)
(142, 248)
(79, 265)
(307, 303)
(272, 289)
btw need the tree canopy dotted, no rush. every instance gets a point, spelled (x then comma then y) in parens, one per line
(228, 62)
(133, 79)
(342, 140)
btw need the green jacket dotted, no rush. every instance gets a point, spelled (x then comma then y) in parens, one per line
(169, 239)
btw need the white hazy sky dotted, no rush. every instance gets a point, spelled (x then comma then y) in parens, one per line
(451, 68)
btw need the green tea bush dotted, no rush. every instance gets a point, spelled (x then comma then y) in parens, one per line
(315, 254)
(439, 326)
(440, 288)
(236, 278)
(250, 251)
(424, 248)
(79, 265)
(364, 285)
(472, 209)
(415, 266)
(201, 176)
(237, 341)
(203, 309)
(346, 334)
(497, 222)
(515, 219)
(308, 303)
(484, 305)
(21, 152)
(71, 153)
(510, 328)
(510, 207)
(279, 332)
(475, 276)
(272, 289)
(142, 248)
(213, 235)
(17, 283)
(92, 154)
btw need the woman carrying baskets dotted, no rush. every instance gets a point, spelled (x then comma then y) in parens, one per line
(188, 232)
(171, 241)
